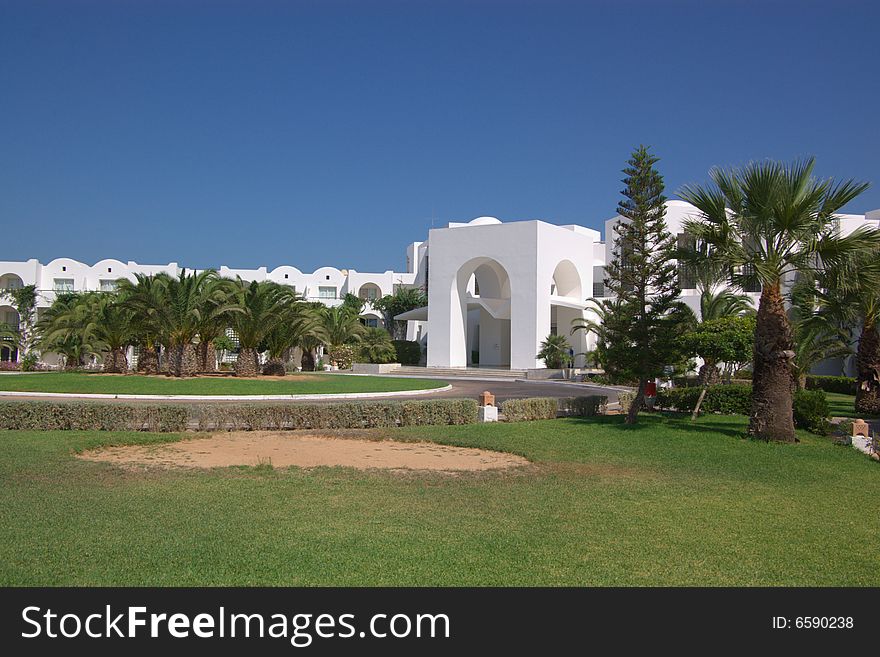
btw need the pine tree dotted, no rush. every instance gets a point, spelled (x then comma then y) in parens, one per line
(641, 333)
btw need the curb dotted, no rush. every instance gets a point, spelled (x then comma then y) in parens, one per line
(317, 396)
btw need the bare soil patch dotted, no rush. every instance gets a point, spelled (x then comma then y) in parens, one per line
(282, 450)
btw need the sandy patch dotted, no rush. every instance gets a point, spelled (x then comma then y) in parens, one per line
(305, 451)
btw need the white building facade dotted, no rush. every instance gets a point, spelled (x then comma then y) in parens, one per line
(495, 290)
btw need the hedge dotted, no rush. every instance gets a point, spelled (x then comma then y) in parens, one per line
(90, 416)
(409, 352)
(135, 417)
(345, 415)
(811, 411)
(533, 408)
(587, 406)
(845, 385)
(719, 399)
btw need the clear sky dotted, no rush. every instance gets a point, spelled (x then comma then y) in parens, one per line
(331, 133)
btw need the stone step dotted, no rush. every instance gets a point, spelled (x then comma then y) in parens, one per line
(470, 372)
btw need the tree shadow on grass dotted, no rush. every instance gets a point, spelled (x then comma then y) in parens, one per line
(648, 422)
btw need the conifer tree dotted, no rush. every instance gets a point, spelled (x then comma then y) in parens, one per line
(641, 333)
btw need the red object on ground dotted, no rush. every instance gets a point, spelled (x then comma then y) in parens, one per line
(651, 389)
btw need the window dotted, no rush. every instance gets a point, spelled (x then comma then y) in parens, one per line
(687, 279)
(108, 285)
(598, 282)
(326, 292)
(372, 322)
(63, 285)
(368, 292)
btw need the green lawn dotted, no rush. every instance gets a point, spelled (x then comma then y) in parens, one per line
(664, 503)
(296, 384)
(844, 406)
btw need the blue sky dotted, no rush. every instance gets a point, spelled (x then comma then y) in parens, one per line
(330, 133)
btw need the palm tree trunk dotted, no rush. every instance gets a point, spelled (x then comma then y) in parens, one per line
(116, 362)
(148, 360)
(308, 360)
(207, 357)
(246, 363)
(182, 360)
(772, 375)
(632, 415)
(868, 374)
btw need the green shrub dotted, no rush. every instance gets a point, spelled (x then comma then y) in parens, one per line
(811, 411)
(534, 408)
(625, 398)
(727, 400)
(586, 406)
(409, 352)
(342, 415)
(91, 416)
(845, 385)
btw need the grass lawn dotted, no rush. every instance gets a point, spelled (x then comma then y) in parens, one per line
(136, 384)
(664, 503)
(844, 405)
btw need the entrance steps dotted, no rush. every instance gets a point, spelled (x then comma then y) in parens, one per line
(461, 372)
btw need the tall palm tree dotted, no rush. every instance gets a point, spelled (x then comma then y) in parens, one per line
(259, 306)
(850, 295)
(766, 222)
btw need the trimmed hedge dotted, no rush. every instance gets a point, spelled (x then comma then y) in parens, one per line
(719, 399)
(409, 352)
(533, 408)
(811, 411)
(45, 416)
(346, 415)
(587, 406)
(91, 416)
(845, 385)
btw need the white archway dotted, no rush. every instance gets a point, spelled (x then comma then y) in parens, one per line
(481, 314)
(11, 282)
(566, 306)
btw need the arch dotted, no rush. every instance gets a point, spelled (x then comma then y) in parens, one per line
(481, 298)
(369, 291)
(567, 281)
(11, 282)
(8, 315)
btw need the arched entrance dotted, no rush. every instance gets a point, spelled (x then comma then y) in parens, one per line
(566, 305)
(481, 294)
(9, 317)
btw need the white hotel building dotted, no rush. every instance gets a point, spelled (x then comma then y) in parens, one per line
(495, 290)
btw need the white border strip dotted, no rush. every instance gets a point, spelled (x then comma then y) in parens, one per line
(316, 396)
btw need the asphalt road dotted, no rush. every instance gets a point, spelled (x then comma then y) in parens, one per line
(461, 387)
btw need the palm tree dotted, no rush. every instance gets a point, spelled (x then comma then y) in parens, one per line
(68, 328)
(183, 311)
(766, 222)
(299, 322)
(144, 297)
(376, 346)
(554, 351)
(258, 307)
(113, 329)
(850, 295)
(341, 326)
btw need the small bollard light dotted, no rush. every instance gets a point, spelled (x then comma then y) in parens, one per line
(860, 428)
(488, 410)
